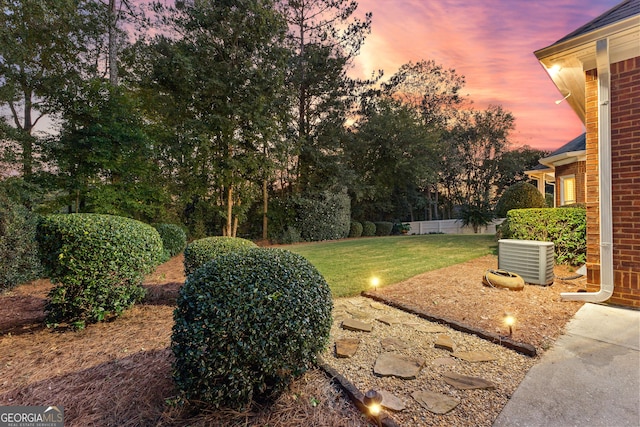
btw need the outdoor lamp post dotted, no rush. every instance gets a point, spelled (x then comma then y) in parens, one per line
(372, 400)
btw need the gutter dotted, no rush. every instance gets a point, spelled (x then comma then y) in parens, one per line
(605, 185)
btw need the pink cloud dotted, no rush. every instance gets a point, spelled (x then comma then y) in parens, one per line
(491, 43)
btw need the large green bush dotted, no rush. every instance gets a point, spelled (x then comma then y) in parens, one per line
(174, 239)
(521, 195)
(356, 229)
(246, 323)
(204, 250)
(368, 229)
(97, 263)
(383, 228)
(565, 227)
(19, 261)
(325, 217)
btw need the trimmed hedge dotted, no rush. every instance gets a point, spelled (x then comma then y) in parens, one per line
(520, 195)
(326, 217)
(97, 263)
(246, 323)
(174, 239)
(356, 229)
(368, 229)
(565, 227)
(204, 250)
(19, 260)
(383, 228)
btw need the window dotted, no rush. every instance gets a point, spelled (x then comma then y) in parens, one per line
(567, 190)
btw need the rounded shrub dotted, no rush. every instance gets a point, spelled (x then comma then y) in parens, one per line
(174, 239)
(356, 229)
(97, 263)
(368, 229)
(383, 228)
(201, 251)
(521, 195)
(246, 323)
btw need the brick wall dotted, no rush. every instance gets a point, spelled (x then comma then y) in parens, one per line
(579, 169)
(625, 170)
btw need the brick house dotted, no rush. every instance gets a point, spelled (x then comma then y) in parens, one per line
(597, 69)
(566, 169)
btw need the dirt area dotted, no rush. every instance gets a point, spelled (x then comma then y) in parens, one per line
(119, 373)
(457, 293)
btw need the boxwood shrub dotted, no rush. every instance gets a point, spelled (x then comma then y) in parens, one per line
(356, 229)
(565, 227)
(97, 263)
(520, 195)
(368, 229)
(19, 261)
(201, 251)
(246, 323)
(174, 238)
(326, 216)
(383, 228)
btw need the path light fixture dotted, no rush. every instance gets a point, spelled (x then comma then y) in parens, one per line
(372, 400)
(509, 320)
(375, 282)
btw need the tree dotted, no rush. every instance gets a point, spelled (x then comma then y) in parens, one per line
(103, 156)
(392, 154)
(513, 163)
(45, 47)
(430, 89)
(214, 81)
(325, 36)
(476, 142)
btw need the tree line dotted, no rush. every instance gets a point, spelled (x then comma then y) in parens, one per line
(213, 114)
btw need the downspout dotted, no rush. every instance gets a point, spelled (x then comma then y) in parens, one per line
(604, 174)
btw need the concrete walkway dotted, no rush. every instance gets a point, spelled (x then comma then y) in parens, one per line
(590, 377)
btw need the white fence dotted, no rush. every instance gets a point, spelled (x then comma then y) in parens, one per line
(450, 226)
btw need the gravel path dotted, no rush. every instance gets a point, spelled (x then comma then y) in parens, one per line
(478, 407)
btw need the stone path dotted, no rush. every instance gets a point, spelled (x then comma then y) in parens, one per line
(427, 373)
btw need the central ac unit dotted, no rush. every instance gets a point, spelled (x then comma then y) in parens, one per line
(530, 259)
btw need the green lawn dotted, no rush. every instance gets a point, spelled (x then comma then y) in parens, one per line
(348, 265)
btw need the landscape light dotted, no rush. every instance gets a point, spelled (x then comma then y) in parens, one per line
(375, 282)
(372, 400)
(509, 320)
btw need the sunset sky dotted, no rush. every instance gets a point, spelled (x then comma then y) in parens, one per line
(491, 43)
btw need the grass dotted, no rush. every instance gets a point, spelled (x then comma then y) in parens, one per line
(349, 265)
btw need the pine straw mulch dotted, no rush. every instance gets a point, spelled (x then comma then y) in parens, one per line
(119, 373)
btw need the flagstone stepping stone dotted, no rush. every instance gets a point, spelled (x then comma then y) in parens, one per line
(475, 356)
(444, 361)
(464, 382)
(435, 402)
(388, 320)
(391, 401)
(397, 365)
(377, 305)
(430, 328)
(357, 302)
(445, 342)
(347, 347)
(356, 325)
(392, 343)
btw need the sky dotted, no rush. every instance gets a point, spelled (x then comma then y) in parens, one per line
(490, 43)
